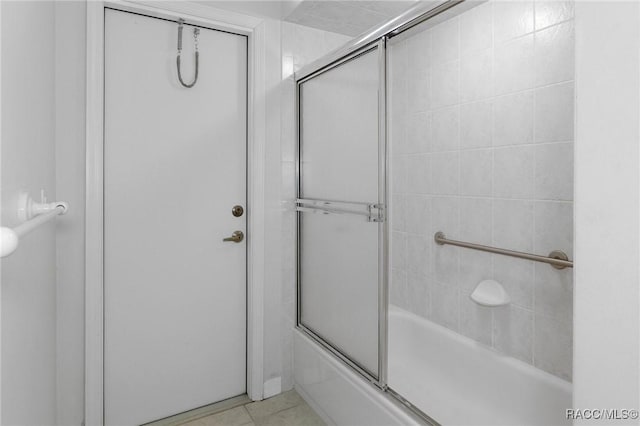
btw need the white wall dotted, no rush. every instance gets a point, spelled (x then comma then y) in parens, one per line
(70, 17)
(606, 300)
(28, 302)
(273, 363)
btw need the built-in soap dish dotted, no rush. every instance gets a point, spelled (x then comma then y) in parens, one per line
(490, 293)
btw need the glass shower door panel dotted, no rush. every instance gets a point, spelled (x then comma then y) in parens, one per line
(339, 276)
(339, 172)
(339, 132)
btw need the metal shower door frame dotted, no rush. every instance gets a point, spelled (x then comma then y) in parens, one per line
(380, 216)
(380, 36)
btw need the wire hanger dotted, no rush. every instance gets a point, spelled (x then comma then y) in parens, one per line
(196, 33)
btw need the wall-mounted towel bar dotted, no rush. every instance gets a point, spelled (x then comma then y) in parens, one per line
(34, 214)
(558, 259)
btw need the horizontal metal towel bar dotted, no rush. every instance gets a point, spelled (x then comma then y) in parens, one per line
(558, 259)
(373, 212)
(332, 211)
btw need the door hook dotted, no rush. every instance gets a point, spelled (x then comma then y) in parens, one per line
(196, 33)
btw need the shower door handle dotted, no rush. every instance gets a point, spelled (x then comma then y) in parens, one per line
(236, 237)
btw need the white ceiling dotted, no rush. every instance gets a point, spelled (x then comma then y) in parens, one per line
(275, 9)
(349, 17)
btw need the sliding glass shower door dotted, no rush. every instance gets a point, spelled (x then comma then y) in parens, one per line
(341, 198)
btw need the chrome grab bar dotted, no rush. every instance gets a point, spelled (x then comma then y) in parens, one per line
(558, 259)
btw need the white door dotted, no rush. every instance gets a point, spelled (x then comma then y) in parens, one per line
(174, 167)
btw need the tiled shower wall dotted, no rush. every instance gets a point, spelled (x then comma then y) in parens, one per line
(482, 150)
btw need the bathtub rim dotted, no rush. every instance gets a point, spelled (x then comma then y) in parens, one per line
(515, 363)
(391, 400)
(383, 390)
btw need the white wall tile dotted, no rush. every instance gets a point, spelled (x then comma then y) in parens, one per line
(513, 172)
(475, 266)
(553, 292)
(397, 132)
(419, 90)
(399, 249)
(475, 320)
(418, 294)
(398, 77)
(445, 176)
(399, 55)
(397, 212)
(476, 170)
(513, 69)
(476, 28)
(554, 113)
(445, 258)
(445, 90)
(554, 171)
(446, 129)
(553, 346)
(516, 276)
(419, 132)
(419, 254)
(499, 97)
(476, 76)
(513, 332)
(399, 173)
(475, 220)
(445, 212)
(445, 265)
(476, 124)
(417, 213)
(513, 119)
(419, 45)
(513, 224)
(419, 173)
(553, 227)
(552, 12)
(398, 288)
(444, 305)
(554, 58)
(512, 19)
(445, 41)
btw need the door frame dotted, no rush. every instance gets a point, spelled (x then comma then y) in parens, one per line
(254, 29)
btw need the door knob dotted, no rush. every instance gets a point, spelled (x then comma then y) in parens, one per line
(236, 237)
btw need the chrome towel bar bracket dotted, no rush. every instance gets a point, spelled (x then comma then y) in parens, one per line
(32, 215)
(558, 259)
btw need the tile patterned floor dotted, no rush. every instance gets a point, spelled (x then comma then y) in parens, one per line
(286, 409)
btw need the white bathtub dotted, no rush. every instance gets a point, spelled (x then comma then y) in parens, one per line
(457, 381)
(450, 377)
(341, 396)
